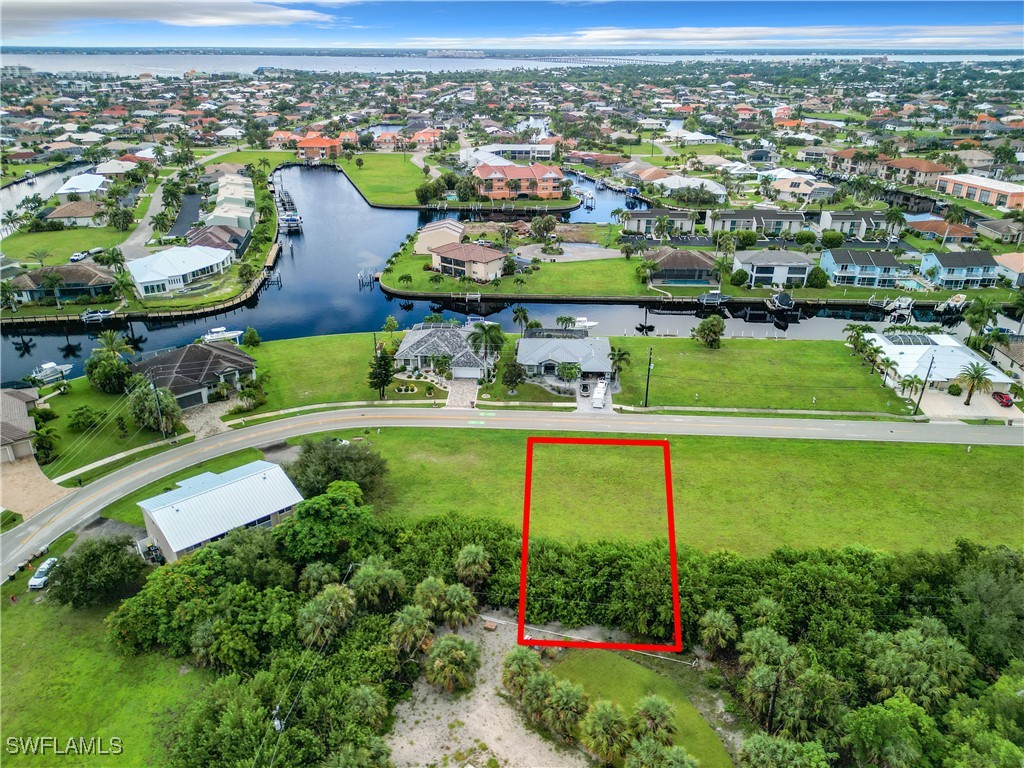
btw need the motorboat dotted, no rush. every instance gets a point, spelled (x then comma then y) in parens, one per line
(221, 334)
(96, 315)
(900, 306)
(780, 302)
(472, 320)
(713, 298)
(582, 322)
(957, 303)
(50, 372)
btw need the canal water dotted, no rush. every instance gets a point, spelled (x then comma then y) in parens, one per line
(320, 291)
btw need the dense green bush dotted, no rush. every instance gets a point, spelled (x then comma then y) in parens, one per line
(805, 237)
(832, 239)
(739, 277)
(817, 278)
(954, 389)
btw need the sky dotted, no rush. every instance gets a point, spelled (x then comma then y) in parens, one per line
(818, 25)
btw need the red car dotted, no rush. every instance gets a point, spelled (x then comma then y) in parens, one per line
(1003, 399)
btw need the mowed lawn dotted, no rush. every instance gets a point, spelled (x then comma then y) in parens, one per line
(607, 675)
(602, 277)
(62, 678)
(61, 244)
(126, 509)
(753, 373)
(76, 449)
(744, 494)
(385, 178)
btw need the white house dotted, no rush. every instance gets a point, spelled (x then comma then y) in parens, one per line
(87, 186)
(542, 356)
(1010, 266)
(774, 267)
(115, 169)
(206, 507)
(915, 353)
(170, 270)
(232, 215)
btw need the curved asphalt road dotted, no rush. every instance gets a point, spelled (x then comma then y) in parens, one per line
(83, 505)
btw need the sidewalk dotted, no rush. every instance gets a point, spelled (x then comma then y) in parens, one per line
(123, 454)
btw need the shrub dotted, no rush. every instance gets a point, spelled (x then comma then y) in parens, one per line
(43, 415)
(84, 417)
(831, 239)
(251, 338)
(805, 237)
(739, 277)
(817, 278)
(954, 389)
(745, 238)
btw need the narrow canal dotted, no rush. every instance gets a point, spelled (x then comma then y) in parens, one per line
(320, 293)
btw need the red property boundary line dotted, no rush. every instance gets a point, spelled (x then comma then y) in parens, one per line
(677, 644)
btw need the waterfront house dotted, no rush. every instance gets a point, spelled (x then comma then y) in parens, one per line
(853, 224)
(915, 171)
(1002, 230)
(858, 161)
(643, 222)
(85, 186)
(544, 181)
(170, 270)
(1001, 194)
(541, 357)
(233, 215)
(770, 222)
(478, 262)
(872, 269)
(681, 267)
(802, 189)
(784, 268)
(16, 425)
(426, 343)
(1011, 266)
(938, 357)
(115, 169)
(78, 280)
(80, 213)
(233, 239)
(193, 372)
(206, 507)
(937, 229)
(387, 140)
(438, 233)
(966, 269)
(317, 148)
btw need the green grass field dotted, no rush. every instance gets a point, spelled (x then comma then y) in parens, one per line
(744, 494)
(246, 156)
(61, 244)
(385, 178)
(607, 675)
(753, 373)
(8, 520)
(126, 509)
(14, 171)
(76, 449)
(63, 678)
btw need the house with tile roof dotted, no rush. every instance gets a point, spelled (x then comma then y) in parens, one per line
(78, 280)
(541, 356)
(193, 372)
(478, 262)
(544, 181)
(80, 213)
(427, 342)
(317, 148)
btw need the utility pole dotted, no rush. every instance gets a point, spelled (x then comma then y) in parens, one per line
(917, 406)
(650, 367)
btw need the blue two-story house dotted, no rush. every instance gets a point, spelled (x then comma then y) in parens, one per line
(966, 269)
(872, 269)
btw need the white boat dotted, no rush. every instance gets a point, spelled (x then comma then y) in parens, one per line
(96, 315)
(48, 372)
(582, 322)
(472, 320)
(713, 298)
(221, 334)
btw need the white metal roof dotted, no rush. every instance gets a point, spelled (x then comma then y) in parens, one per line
(85, 182)
(209, 504)
(176, 261)
(948, 353)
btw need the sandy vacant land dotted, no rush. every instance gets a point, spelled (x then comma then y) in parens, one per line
(480, 725)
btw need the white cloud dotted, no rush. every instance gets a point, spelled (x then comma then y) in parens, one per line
(28, 18)
(815, 37)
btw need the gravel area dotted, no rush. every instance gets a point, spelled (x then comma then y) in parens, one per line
(101, 527)
(26, 490)
(204, 420)
(573, 252)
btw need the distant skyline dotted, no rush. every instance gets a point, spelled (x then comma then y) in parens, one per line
(823, 25)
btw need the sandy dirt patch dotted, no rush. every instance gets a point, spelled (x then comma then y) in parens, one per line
(478, 725)
(26, 490)
(204, 420)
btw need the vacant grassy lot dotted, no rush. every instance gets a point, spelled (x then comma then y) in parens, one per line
(752, 373)
(607, 675)
(744, 494)
(77, 449)
(574, 485)
(387, 179)
(126, 509)
(61, 244)
(62, 678)
(602, 277)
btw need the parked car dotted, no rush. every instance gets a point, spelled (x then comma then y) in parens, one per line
(481, 241)
(96, 251)
(42, 574)
(78, 256)
(1003, 399)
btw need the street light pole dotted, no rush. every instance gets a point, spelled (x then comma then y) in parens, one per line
(650, 367)
(917, 406)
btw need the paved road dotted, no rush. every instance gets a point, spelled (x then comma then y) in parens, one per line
(87, 502)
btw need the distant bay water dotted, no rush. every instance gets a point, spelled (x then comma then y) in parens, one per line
(217, 63)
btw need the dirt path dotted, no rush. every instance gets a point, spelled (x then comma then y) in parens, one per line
(475, 726)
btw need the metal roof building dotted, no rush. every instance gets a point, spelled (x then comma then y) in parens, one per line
(205, 507)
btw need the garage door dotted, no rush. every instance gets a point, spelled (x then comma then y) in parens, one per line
(466, 373)
(194, 398)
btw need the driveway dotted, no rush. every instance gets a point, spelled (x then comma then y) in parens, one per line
(573, 252)
(941, 405)
(461, 393)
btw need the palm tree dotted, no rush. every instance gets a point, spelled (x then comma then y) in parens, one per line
(320, 619)
(565, 321)
(895, 219)
(11, 219)
(954, 214)
(974, 376)
(518, 666)
(486, 337)
(435, 279)
(662, 226)
(887, 365)
(567, 705)
(619, 358)
(653, 716)
(45, 440)
(472, 566)
(521, 315)
(429, 594)
(513, 185)
(123, 286)
(52, 281)
(717, 628)
(112, 345)
(40, 254)
(721, 268)
(7, 295)
(366, 704)
(993, 338)
(519, 282)
(452, 662)
(411, 628)
(535, 693)
(644, 752)
(162, 221)
(603, 731)
(459, 608)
